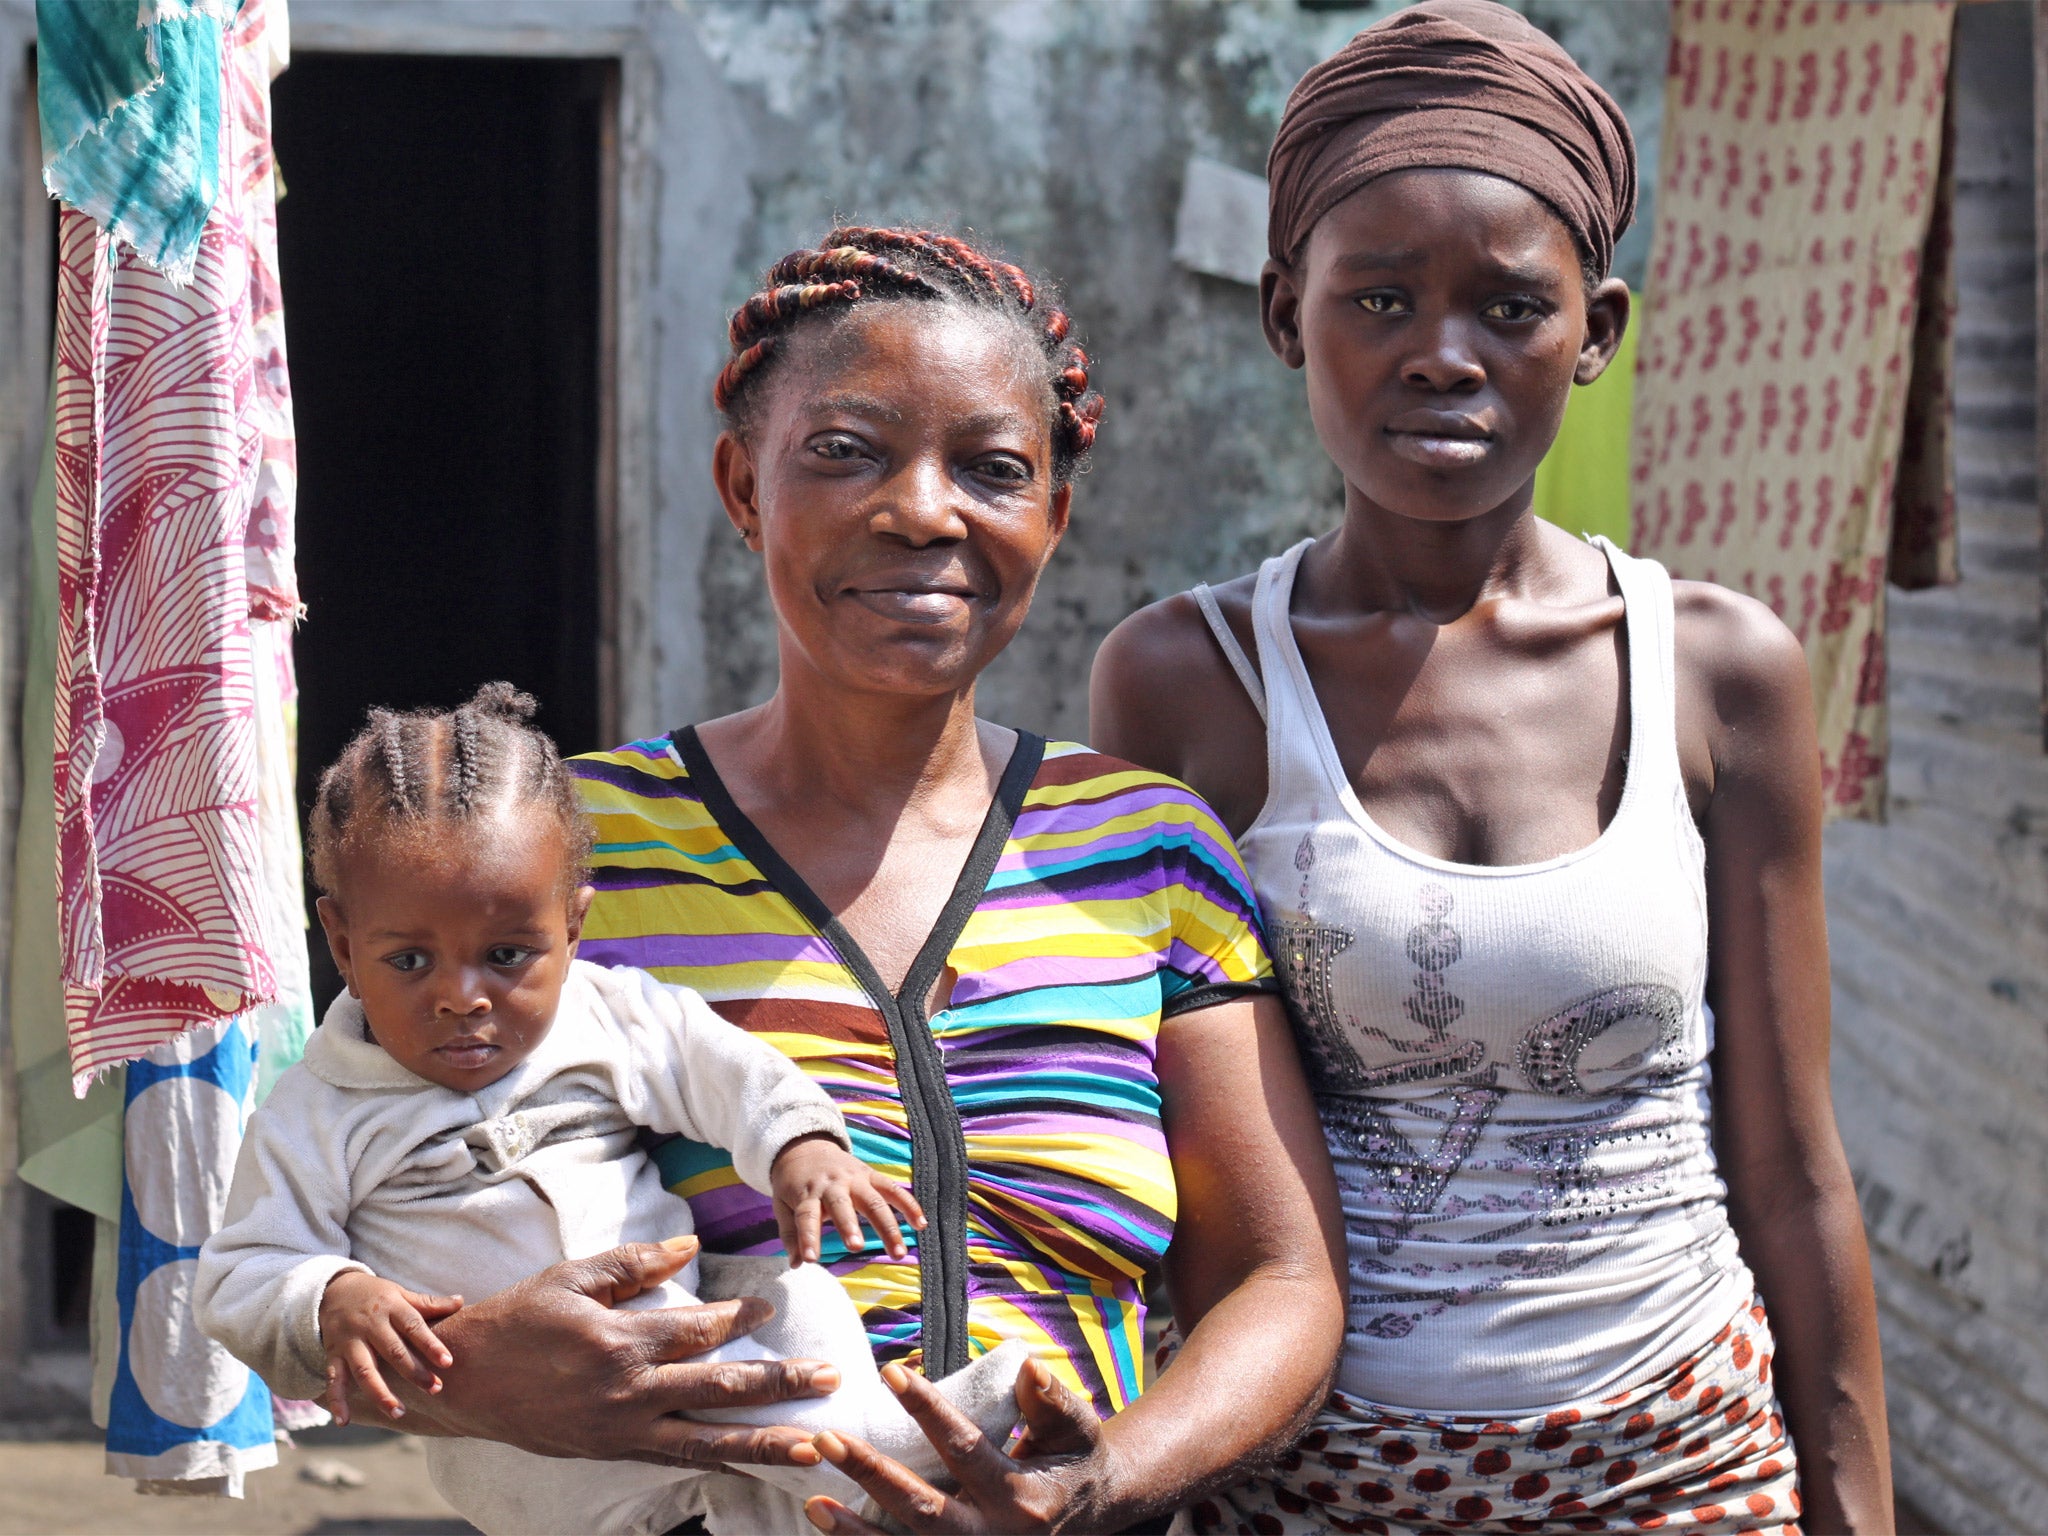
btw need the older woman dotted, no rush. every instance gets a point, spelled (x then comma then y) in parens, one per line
(1029, 975)
(1536, 831)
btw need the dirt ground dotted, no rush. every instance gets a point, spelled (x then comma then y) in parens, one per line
(57, 1488)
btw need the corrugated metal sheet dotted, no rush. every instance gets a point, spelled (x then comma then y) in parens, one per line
(1939, 920)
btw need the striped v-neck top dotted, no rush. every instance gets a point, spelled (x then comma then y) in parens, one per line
(1098, 900)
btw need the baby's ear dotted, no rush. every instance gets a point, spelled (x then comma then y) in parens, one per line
(336, 928)
(579, 908)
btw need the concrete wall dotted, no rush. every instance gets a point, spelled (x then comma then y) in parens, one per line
(1939, 920)
(23, 279)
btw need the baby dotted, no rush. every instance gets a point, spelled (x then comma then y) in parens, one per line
(467, 1114)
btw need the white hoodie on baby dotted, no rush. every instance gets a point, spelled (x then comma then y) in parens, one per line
(355, 1162)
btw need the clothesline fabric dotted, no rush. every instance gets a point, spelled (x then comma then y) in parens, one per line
(180, 918)
(129, 97)
(175, 475)
(68, 1147)
(158, 850)
(261, 49)
(1798, 298)
(183, 1411)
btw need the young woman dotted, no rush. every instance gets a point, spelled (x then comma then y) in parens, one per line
(1536, 835)
(1029, 975)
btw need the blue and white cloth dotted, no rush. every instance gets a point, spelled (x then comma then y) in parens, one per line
(148, 109)
(183, 1410)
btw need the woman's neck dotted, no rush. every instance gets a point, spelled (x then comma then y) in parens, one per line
(868, 757)
(1381, 561)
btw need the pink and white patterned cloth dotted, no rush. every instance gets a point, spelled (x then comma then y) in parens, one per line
(174, 481)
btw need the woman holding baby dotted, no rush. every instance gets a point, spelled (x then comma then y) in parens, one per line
(1029, 975)
(1023, 984)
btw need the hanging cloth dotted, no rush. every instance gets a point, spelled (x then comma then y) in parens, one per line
(260, 48)
(173, 455)
(1795, 329)
(1923, 549)
(68, 1146)
(181, 936)
(185, 1416)
(129, 97)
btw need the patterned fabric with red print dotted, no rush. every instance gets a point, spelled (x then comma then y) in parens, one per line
(175, 476)
(1791, 436)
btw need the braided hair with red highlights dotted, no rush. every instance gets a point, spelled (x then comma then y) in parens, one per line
(854, 265)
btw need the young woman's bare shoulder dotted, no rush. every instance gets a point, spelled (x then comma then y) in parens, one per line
(1735, 642)
(1742, 679)
(1160, 674)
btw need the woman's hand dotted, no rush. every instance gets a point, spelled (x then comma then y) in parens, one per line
(1051, 1481)
(1253, 1274)
(550, 1366)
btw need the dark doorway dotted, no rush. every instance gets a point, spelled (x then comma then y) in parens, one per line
(440, 241)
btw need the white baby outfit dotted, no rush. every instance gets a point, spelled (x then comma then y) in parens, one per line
(1512, 1062)
(356, 1163)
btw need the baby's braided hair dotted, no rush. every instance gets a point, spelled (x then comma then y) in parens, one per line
(854, 264)
(409, 772)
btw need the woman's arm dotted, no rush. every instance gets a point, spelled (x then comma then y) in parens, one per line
(548, 1365)
(1161, 695)
(1789, 1193)
(1253, 1270)
(1255, 1266)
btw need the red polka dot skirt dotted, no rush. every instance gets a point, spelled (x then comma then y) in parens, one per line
(1702, 1450)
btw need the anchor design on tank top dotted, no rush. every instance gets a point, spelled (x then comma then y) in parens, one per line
(1305, 952)
(1413, 1177)
(1642, 1027)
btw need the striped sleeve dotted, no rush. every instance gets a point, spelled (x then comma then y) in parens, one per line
(1217, 951)
(1127, 839)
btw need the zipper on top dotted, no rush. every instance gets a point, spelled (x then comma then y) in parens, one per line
(938, 1147)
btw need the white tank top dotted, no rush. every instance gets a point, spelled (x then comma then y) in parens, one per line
(1511, 1061)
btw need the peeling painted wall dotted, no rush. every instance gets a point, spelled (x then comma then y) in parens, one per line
(1060, 128)
(1939, 920)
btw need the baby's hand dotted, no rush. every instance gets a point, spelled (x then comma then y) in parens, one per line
(813, 1177)
(363, 1318)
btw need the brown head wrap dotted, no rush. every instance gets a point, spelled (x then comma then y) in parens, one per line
(1462, 84)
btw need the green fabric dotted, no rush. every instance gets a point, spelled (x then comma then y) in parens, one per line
(1582, 483)
(70, 1147)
